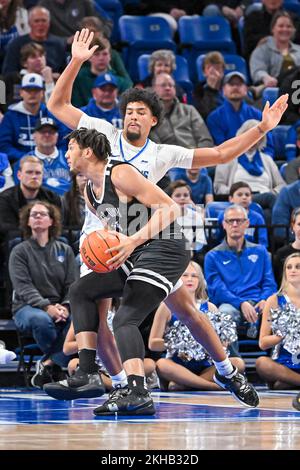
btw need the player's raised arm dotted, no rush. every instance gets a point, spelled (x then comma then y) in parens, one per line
(60, 100)
(236, 146)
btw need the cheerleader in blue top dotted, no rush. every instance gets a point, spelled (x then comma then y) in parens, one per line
(187, 365)
(280, 330)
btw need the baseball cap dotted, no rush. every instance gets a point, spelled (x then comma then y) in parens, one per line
(230, 75)
(32, 80)
(45, 121)
(105, 79)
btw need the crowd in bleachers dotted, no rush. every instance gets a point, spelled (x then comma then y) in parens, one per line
(213, 64)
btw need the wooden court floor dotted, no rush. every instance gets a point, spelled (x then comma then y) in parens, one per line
(31, 420)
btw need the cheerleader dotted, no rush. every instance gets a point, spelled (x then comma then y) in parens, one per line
(180, 370)
(280, 330)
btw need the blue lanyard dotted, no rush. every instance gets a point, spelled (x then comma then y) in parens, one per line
(133, 158)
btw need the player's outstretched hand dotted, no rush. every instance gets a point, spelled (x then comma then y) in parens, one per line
(273, 114)
(81, 45)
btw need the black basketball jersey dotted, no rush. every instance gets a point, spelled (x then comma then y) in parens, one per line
(114, 214)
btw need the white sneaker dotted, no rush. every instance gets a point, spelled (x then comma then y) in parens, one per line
(6, 356)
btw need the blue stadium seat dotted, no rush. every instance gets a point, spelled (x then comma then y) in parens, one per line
(232, 62)
(199, 34)
(143, 35)
(180, 74)
(270, 94)
(215, 208)
(279, 139)
(114, 10)
(282, 170)
(292, 6)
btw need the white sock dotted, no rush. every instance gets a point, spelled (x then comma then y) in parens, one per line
(119, 379)
(224, 367)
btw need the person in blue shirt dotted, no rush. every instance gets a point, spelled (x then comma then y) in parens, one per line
(239, 273)
(225, 120)
(199, 182)
(287, 200)
(291, 143)
(240, 193)
(56, 174)
(17, 126)
(104, 104)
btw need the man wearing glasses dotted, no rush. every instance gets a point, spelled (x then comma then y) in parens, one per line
(239, 273)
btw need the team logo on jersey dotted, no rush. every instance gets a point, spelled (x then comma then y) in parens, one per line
(253, 258)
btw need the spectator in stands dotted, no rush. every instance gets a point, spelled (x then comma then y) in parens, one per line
(99, 64)
(192, 216)
(182, 124)
(255, 168)
(239, 273)
(271, 59)
(13, 23)
(200, 184)
(66, 16)
(224, 122)
(257, 24)
(162, 61)
(282, 369)
(17, 126)
(287, 200)
(33, 60)
(208, 95)
(39, 22)
(104, 104)
(177, 372)
(286, 250)
(292, 143)
(94, 24)
(6, 174)
(41, 269)
(240, 193)
(29, 189)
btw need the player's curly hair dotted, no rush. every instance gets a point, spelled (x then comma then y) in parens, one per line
(90, 138)
(149, 98)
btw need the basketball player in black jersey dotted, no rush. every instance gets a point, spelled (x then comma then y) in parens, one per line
(147, 268)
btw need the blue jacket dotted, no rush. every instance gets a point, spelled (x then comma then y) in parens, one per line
(199, 189)
(287, 200)
(224, 122)
(290, 143)
(113, 116)
(234, 277)
(57, 176)
(16, 130)
(255, 219)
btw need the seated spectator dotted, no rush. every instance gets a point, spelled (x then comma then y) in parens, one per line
(6, 177)
(95, 25)
(39, 22)
(199, 183)
(192, 217)
(287, 200)
(17, 126)
(286, 250)
(33, 60)
(239, 273)
(208, 95)
(180, 371)
(182, 124)
(29, 189)
(6, 356)
(41, 269)
(56, 174)
(277, 54)
(224, 122)
(104, 104)
(255, 168)
(98, 64)
(66, 16)
(13, 23)
(287, 85)
(282, 369)
(240, 193)
(162, 61)
(292, 143)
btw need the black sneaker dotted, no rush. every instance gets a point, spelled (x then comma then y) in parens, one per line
(126, 402)
(80, 385)
(240, 388)
(296, 402)
(42, 375)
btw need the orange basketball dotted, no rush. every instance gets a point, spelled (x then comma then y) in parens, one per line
(93, 250)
